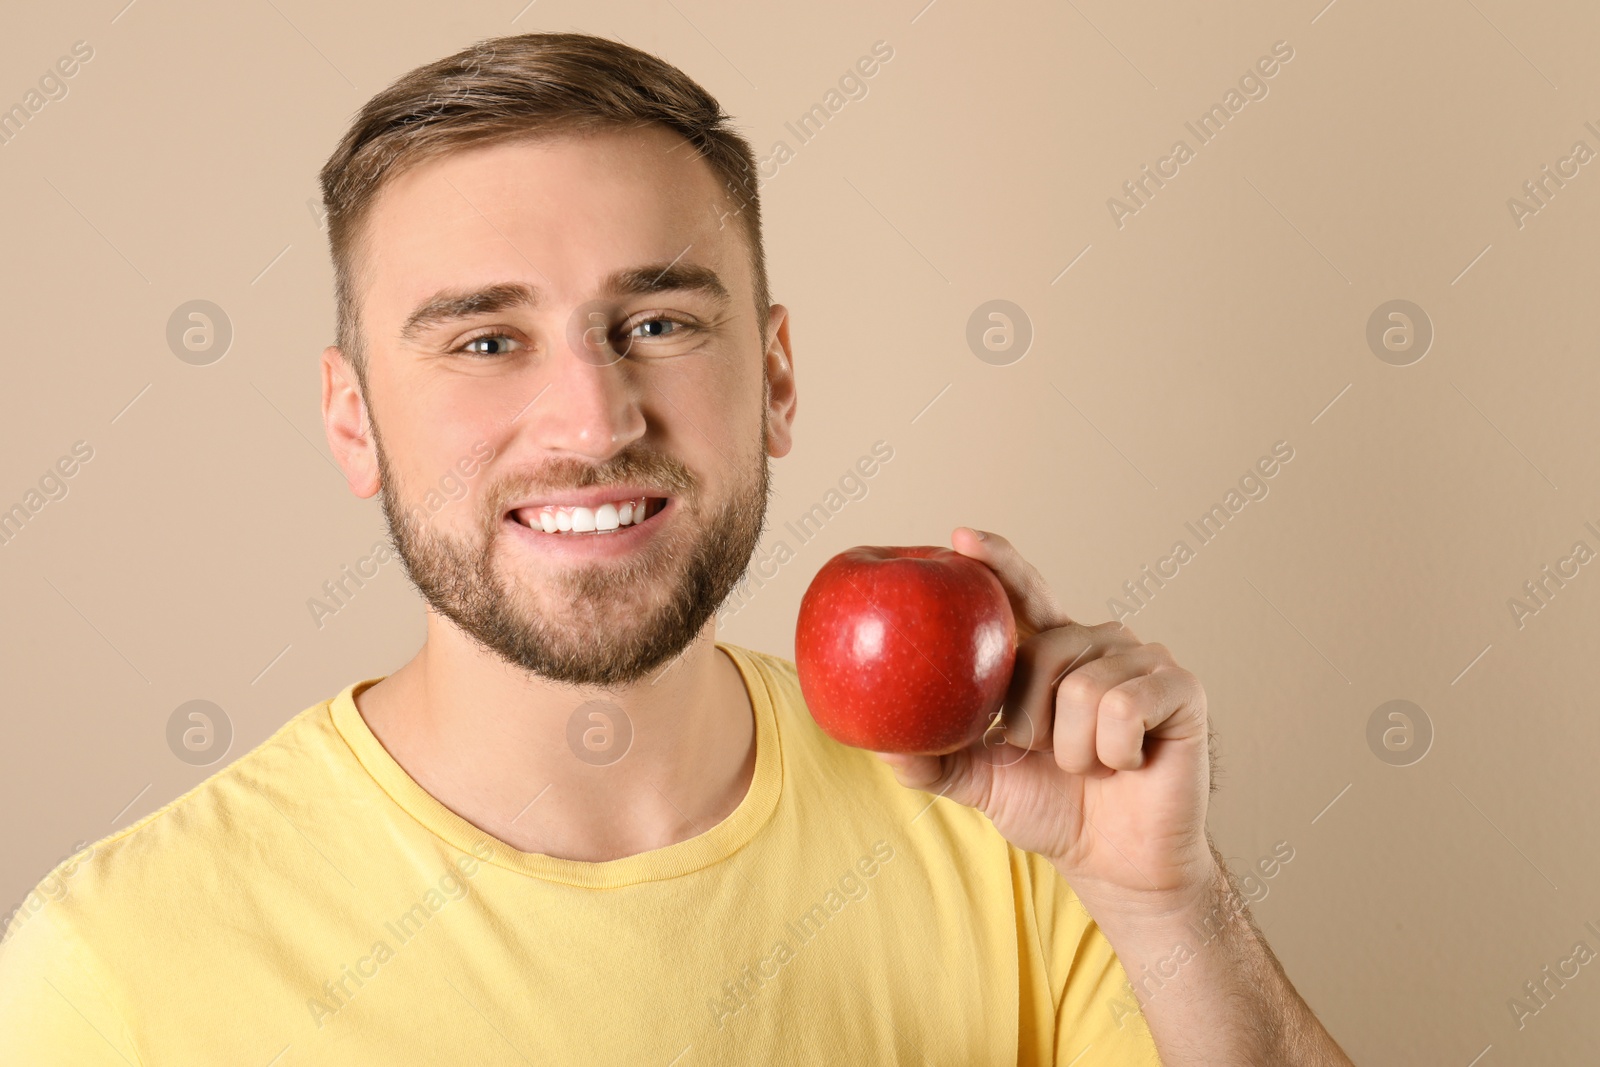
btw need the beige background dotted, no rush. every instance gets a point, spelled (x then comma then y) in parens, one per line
(1228, 314)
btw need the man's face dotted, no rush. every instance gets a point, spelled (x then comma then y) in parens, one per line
(588, 387)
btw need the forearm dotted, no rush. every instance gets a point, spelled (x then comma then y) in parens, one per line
(1209, 986)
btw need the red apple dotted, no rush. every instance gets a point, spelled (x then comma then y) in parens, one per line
(905, 649)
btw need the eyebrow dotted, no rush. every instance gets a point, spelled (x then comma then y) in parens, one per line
(452, 305)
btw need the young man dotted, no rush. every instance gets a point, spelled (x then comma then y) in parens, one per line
(575, 827)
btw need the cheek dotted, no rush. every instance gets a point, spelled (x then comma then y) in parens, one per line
(449, 427)
(442, 455)
(707, 419)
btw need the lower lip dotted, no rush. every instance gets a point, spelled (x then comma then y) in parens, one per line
(618, 542)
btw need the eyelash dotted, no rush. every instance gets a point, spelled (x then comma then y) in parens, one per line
(498, 332)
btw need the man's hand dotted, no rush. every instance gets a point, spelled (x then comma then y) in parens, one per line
(1101, 762)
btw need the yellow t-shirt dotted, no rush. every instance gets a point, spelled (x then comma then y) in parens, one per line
(311, 904)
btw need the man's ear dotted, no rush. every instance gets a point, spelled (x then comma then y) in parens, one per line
(348, 424)
(781, 397)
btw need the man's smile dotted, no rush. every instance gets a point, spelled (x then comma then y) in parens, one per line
(581, 532)
(589, 514)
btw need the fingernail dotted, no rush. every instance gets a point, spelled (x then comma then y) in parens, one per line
(980, 534)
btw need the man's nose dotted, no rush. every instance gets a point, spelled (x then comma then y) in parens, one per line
(591, 401)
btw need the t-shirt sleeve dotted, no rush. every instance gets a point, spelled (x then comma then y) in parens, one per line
(1098, 1021)
(55, 1007)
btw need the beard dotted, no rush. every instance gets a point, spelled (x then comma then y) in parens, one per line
(606, 623)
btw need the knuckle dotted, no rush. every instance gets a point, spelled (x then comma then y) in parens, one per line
(1114, 627)
(1078, 690)
(1122, 706)
(1185, 681)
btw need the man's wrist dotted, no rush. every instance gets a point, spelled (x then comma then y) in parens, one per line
(1205, 979)
(1203, 929)
(1206, 893)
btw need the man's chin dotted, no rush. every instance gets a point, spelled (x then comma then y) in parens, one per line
(518, 566)
(590, 600)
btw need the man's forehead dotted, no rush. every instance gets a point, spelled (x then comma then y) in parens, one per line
(566, 213)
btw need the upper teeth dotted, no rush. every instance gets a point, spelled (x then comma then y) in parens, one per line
(564, 518)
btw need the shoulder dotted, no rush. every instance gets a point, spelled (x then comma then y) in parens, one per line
(192, 846)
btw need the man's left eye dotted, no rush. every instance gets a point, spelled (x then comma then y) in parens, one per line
(658, 328)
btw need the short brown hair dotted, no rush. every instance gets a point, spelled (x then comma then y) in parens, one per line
(516, 88)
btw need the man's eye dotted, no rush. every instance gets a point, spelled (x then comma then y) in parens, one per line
(657, 327)
(499, 338)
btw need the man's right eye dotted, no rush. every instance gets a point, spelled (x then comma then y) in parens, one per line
(466, 346)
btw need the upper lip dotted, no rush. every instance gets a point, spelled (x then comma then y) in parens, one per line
(591, 498)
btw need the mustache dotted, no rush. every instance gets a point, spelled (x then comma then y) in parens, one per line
(561, 475)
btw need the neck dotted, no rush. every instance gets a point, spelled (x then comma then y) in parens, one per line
(501, 748)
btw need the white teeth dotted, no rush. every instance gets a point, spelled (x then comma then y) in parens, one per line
(606, 517)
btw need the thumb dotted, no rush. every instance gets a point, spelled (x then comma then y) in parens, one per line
(1032, 603)
(948, 776)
